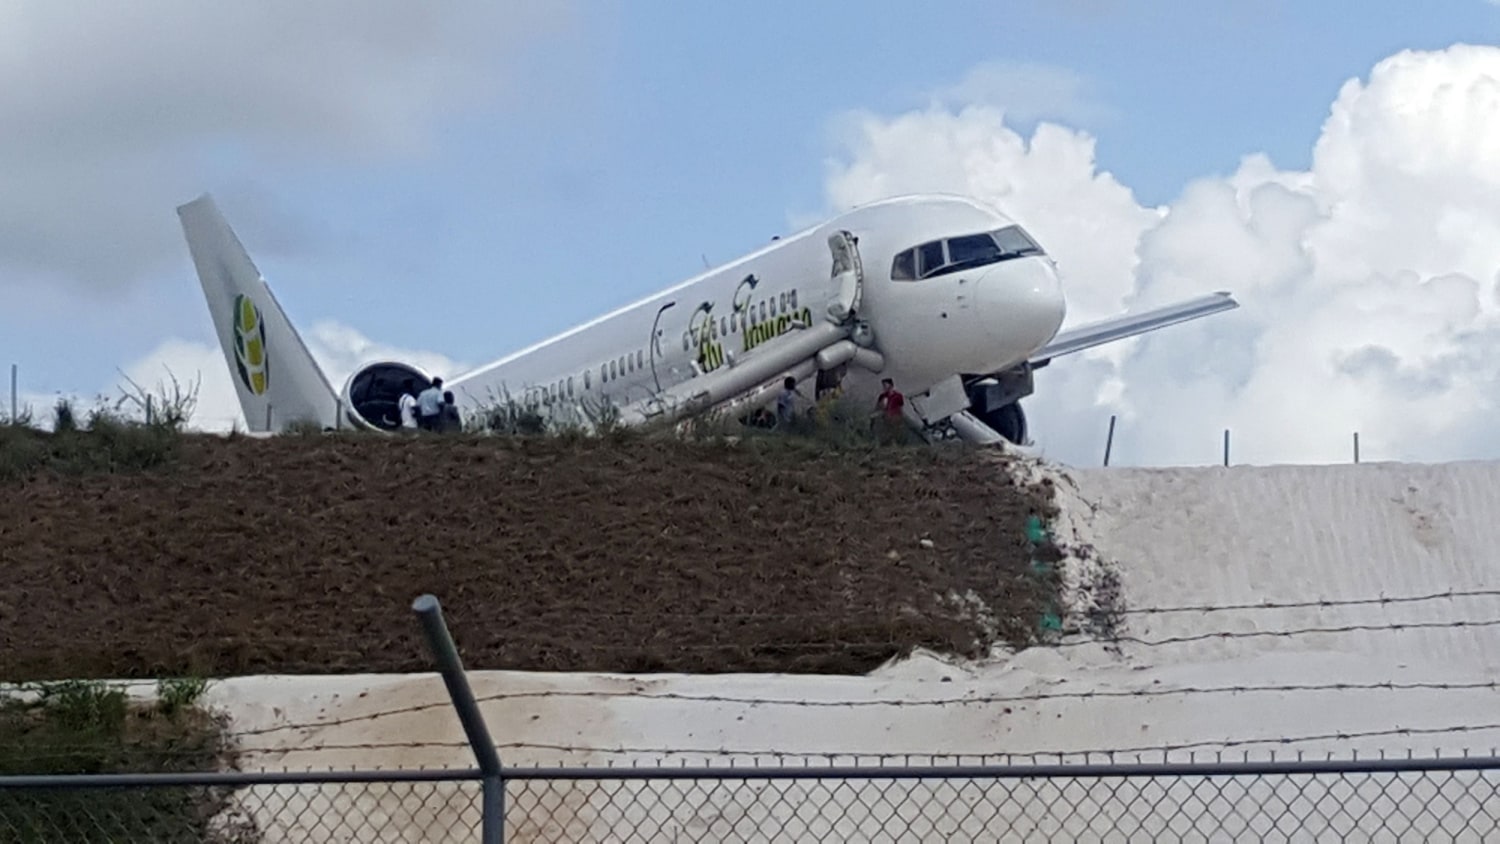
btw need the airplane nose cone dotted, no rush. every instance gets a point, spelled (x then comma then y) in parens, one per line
(1021, 305)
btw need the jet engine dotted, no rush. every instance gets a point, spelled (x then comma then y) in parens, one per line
(372, 395)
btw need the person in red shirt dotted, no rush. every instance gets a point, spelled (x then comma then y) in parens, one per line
(890, 400)
(888, 405)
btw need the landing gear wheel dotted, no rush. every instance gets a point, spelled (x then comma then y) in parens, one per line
(1009, 422)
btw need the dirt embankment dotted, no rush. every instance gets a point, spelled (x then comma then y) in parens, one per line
(303, 554)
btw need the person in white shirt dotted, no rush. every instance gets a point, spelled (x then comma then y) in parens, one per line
(408, 405)
(430, 406)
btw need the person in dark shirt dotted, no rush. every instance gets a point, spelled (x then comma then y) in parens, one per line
(449, 422)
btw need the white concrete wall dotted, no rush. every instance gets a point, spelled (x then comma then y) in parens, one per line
(1178, 537)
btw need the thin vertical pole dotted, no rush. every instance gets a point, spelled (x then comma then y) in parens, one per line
(1109, 440)
(1226, 446)
(445, 652)
(149, 408)
(1356, 446)
(268, 416)
(15, 379)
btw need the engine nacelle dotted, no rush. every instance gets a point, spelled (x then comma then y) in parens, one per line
(372, 395)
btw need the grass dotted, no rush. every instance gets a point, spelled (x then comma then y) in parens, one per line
(78, 727)
(105, 442)
(836, 424)
(109, 441)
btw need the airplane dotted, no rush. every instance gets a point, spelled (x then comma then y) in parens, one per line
(945, 295)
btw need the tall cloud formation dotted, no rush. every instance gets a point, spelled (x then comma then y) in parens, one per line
(114, 111)
(1369, 284)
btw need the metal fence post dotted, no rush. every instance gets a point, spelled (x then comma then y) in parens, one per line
(445, 652)
(15, 378)
(1226, 446)
(1356, 446)
(1109, 439)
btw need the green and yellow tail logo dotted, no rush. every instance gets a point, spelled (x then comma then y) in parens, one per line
(250, 344)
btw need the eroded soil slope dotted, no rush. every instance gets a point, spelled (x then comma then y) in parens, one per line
(301, 555)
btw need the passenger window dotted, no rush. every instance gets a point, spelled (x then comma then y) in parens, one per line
(763, 310)
(613, 374)
(640, 357)
(904, 268)
(931, 255)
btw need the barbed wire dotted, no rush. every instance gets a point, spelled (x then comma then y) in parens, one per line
(756, 615)
(1319, 603)
(966, 700)
(1303, 631)
(646, 751)
(781, 757)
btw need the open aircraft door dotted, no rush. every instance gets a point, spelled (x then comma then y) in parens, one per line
(849, 275)
(752, 377)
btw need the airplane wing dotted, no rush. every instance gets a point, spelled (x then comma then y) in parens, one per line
(1129, 325)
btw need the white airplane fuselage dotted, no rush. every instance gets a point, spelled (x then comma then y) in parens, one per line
(955, 302)
(981, 320)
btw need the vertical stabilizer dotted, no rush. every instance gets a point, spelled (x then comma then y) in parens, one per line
(277, 379)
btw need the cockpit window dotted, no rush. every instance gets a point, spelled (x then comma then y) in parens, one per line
(973, 250)
(1015, 242)
(940, 257)
(932, 260)
(904, 268)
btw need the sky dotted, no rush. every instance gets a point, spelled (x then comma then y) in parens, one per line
(448, 183)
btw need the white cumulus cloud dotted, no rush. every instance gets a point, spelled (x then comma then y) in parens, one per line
(1027, 91)
(1370, 283)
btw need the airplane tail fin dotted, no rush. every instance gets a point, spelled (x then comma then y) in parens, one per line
(275, 375)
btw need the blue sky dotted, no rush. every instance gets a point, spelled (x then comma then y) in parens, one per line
(608, 153)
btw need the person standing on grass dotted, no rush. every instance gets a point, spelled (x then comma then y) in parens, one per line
(430, 406)
(890, 401)
(408, 405)
(450, 422)
(888, 407)
(786, 403)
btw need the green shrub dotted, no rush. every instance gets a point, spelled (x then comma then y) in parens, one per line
(77, 727)
(106, 443)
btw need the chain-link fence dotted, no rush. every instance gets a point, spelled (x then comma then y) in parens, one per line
(1427, 800)
(177, 809)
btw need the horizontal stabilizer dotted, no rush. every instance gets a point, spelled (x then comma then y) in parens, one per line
(1129, 325)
